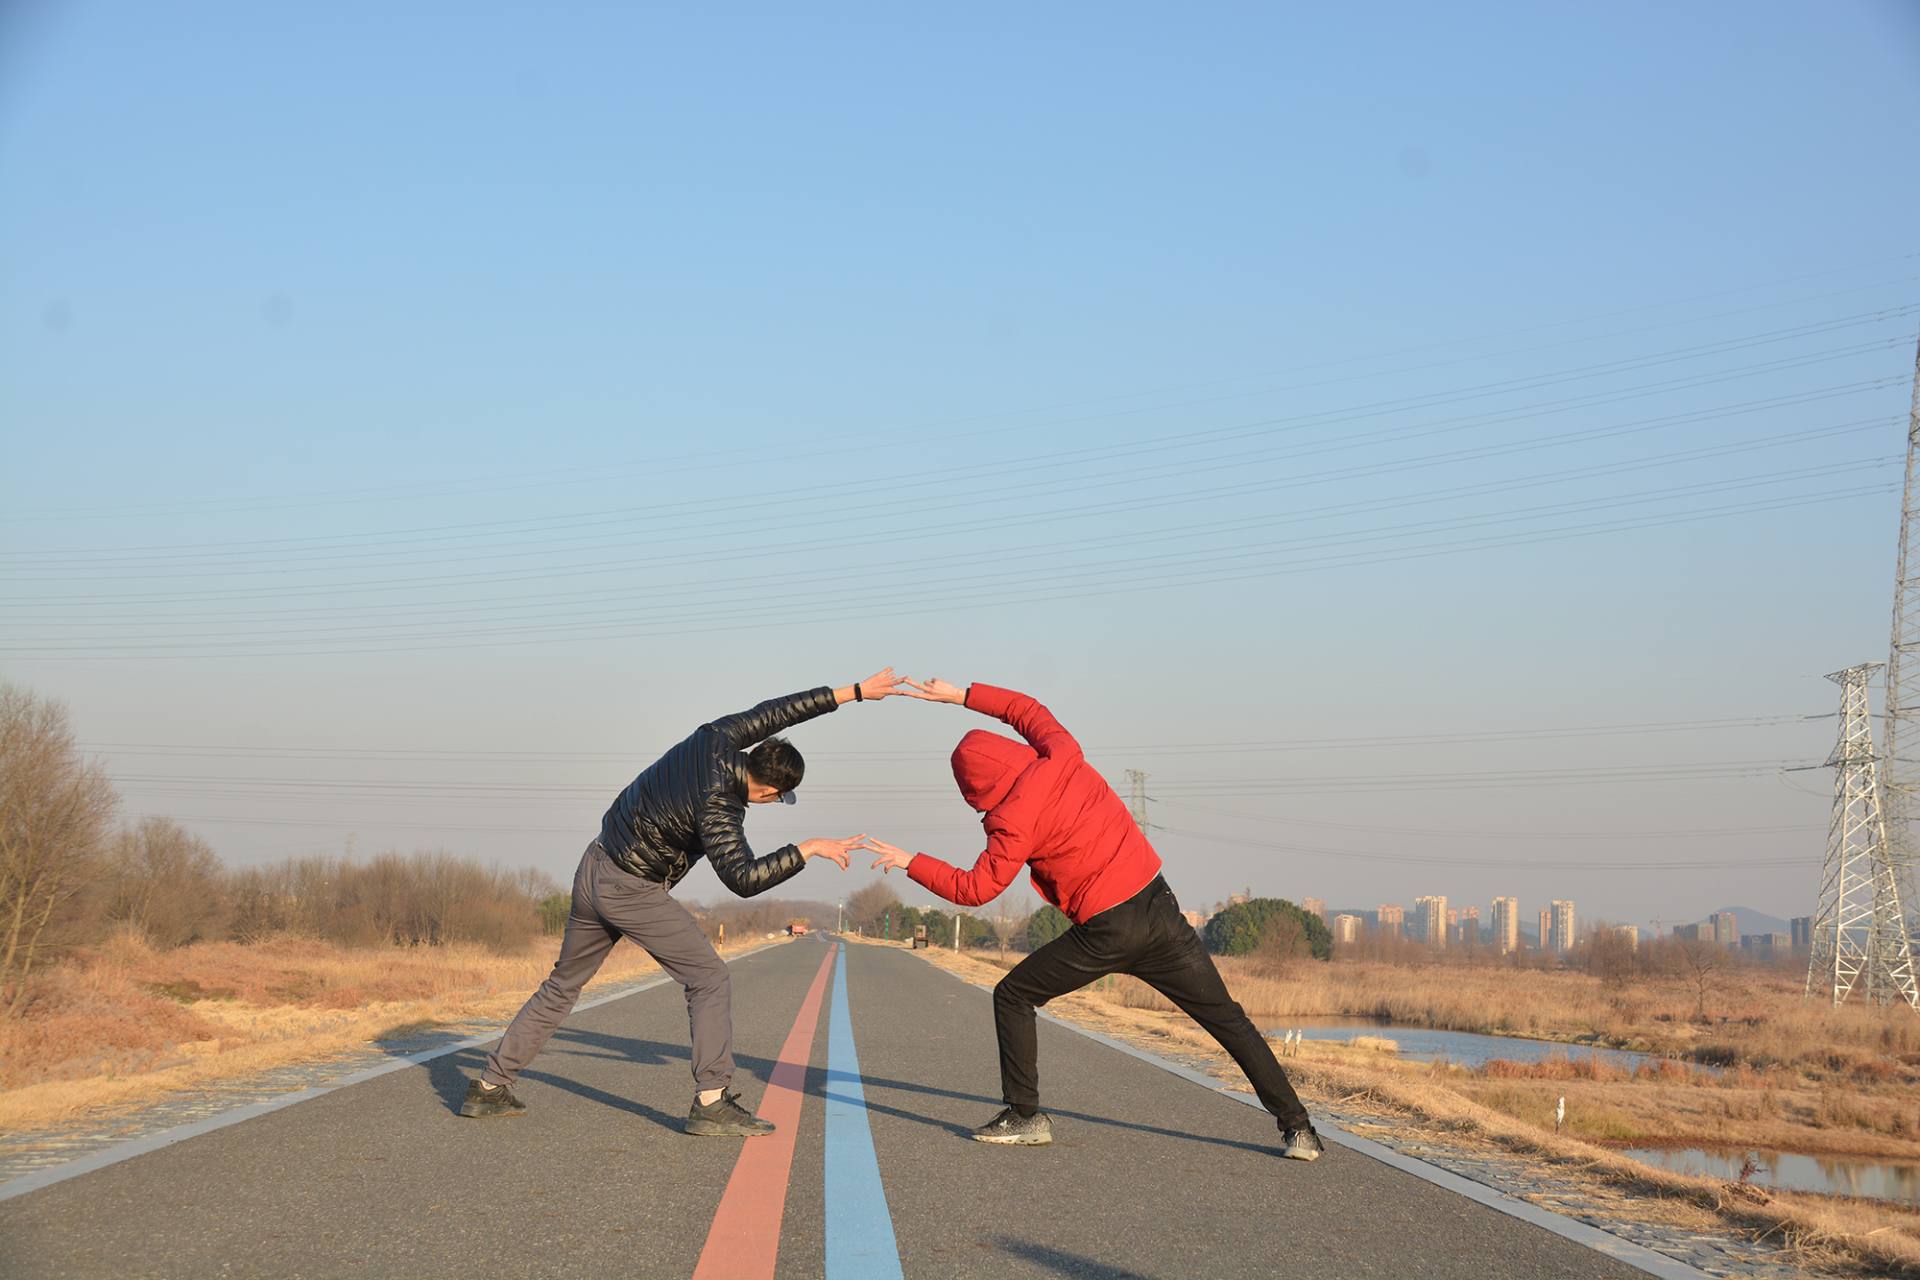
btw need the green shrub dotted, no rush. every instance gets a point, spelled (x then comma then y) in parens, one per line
(1243, 927)
(1044, 925)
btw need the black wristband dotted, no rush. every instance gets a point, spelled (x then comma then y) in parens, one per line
(857, 695)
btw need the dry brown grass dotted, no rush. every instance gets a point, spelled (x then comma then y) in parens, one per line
(1758, 1015)
(1511, 1107)
(1795, 1075)
(124, 1024)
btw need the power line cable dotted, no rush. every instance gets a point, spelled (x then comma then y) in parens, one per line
(1462, 833)
(712, 458)
(805, 587)
(256, 751)
(1502, 864)
(998, 522)
(997, 471)
(1057, 572)
(442, 611)
(1042, 594)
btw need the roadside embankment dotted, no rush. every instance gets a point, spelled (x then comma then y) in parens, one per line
(123, 1024)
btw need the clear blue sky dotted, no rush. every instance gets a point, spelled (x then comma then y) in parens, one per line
(415, 420)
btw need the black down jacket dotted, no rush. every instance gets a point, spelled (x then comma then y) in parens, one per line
(692, 800)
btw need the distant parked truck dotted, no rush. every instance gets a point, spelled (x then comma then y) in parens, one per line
(796, 927)
(919, 936)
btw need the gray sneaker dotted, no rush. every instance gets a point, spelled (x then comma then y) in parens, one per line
(1011, 1129)
(1303, 1144)
(725, 1118)
(483, 1102)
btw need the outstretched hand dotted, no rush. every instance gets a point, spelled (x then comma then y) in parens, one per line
(834, 851)
(891, 855)
(935, 690)
(881, 684)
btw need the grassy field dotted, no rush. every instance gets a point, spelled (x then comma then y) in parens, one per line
(1793, 1076)
(123, 1024)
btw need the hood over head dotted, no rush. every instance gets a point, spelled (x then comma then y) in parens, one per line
(986, 765)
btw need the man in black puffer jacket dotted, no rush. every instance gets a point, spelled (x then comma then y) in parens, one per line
(688, 805)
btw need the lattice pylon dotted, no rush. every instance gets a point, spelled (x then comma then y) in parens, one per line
(1137, 796)
(1859, 936)
(1900, 777)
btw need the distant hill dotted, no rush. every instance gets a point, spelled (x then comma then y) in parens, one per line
(1751, 921)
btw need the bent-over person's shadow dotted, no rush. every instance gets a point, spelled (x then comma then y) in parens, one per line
(653, 1052)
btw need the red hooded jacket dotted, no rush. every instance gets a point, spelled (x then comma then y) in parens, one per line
(1044, 808)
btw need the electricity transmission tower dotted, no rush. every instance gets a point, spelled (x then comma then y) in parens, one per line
(1859, 936)
(1137, 796)
(1900, 780)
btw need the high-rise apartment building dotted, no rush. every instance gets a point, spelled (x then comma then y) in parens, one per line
(1391, 920)
(1314, 907)
(1563, 931)
(1432, 914)
(1346, 928)
(1631, 932)
(1546, 929)
(1802, 935)
(1466, 927)
(1693, 933)
(1726, 929)
(1506, 925)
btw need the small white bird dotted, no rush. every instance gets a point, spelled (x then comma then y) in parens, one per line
(1560, 1113)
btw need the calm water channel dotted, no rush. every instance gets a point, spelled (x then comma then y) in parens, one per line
(1837, 1176)
(1469, 1049)
(1876, 1179)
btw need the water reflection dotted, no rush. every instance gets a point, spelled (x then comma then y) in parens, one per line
(1838, 1176)
(1841, 1176)
(1468, 1048)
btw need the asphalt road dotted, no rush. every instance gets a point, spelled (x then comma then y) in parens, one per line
(1149, 1175)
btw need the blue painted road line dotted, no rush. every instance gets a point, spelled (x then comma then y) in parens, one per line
(860, 1243)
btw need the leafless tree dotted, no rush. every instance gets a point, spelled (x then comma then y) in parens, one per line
(867, 907)
(166, 883)
(1609, 956)
(1283, 944)
(1700, 963)
(55, 808)
(1006, 925)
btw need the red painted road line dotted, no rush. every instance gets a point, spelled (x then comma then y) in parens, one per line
(744, 1241)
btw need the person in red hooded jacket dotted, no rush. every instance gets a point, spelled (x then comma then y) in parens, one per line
(1046, 809)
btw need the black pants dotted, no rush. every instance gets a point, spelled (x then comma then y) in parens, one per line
(1144, 936)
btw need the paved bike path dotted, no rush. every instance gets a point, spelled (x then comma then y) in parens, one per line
(1149, 1176)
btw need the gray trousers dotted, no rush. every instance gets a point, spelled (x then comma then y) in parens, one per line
(610, 903)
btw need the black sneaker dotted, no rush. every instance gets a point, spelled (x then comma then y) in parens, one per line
(1303, 1144)
(725, 1118)
(1012, 1129)
(483, 1101)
